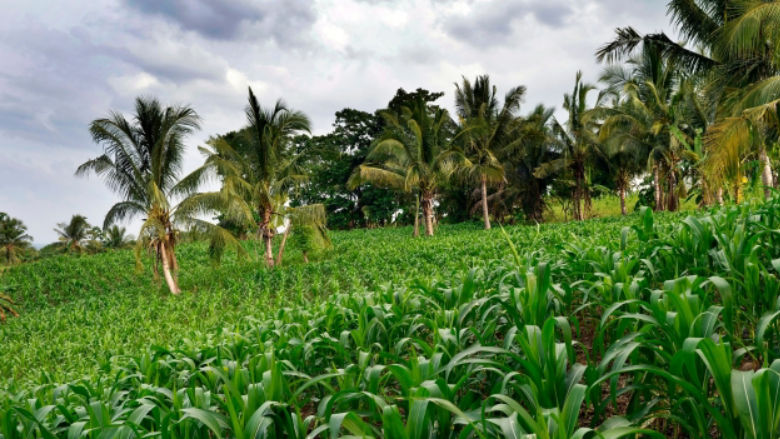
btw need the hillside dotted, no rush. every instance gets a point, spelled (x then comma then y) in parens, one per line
(77, 312)
(657, 325)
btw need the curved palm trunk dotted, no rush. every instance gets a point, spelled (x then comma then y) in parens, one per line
(282, 245)
(173, 285)
(268, 236)
(485, 210)
(174, 263)
(427, 208)
(767, 179)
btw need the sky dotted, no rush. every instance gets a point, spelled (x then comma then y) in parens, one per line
(66, 63)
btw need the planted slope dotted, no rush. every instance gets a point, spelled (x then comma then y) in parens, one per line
(79, 312)
(671, 329)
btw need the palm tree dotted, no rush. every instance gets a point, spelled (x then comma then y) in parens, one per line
(658, 111)
(14, 239)
(738, 61)
(258, 171)
(414, 154)
(308, 227)
(141, 161)
(74, 234)
(488, 128)
(625, 149)
(577, 143)
(533, 145)
(116, 237)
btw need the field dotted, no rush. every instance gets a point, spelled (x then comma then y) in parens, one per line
(645, 326)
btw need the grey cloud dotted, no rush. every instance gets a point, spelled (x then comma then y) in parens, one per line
(282, 21)
(493, 22)
(46, 94)
(551, 14)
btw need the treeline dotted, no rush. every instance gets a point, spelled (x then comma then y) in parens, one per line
(676, 122)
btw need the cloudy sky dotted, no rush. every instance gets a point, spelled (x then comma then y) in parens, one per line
(65, 63)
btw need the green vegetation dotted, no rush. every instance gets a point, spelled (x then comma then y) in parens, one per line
(611, 325)
(14, 240)
(640, 325)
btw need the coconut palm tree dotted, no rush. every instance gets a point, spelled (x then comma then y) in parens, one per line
(577, 143)
(307, 224)
(258, 170)
(488, 127)
(533, 145)
(660, 112)
(116, 237)
(74, 234)
(738, 61)
(414, 155)
(626, 150)
(141, 161)
(14, 240)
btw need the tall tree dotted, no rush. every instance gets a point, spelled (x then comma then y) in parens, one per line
(414, 154)
(116, 237)
(658, 111)
(258, 169)
(14, 239)
(330, 159)
(577, 143)
(533, 146)
(74, 234)
(736, 57)
(488, 127)
(141, 162)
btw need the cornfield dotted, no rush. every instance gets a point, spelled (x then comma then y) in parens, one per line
(663, 326)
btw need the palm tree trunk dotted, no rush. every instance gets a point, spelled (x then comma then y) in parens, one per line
(174, 262)
(737, 191)
(427, 208)
(672, 194)
(766, 175)
(622, 191)
(578, 195)
(485, 210)
(268, 236)
(719, 196)
(169, 279)
(657, 188)
(305, 257)
(417, 216)
(281, 246)
(706, 192)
